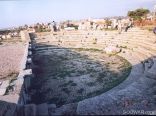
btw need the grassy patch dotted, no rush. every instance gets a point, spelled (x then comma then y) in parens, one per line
(110, 29)
(73, 84)
(66, 90)
(123, 47)
(88, 49)
(99, 73)
(58, 101)
(91, 84)
(66, 84)
(80, 91)
(100, 77)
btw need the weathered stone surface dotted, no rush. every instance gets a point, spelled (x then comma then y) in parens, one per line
(0, 83)
(7, 109)
(3, 87)
(2, 91)
(152, 72)
(29, 48)
(29, 60)
(95, 106)
(11, 110)
(27, 82)
(11, 98)
(19, 81)
(3, 108)
(19, 110)
(68, 109)
(5, 84)
(30, 110)
(51, 108)
(29, 53)
(42, 110)
(28, 72)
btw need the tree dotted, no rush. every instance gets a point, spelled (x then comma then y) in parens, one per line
(138, 13)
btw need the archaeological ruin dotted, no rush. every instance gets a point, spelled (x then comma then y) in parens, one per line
(79, 72)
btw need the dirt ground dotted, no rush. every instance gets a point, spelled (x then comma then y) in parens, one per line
(11, 54)
(70, 75)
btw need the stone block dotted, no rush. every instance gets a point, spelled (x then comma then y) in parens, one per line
(11, 109)
(42, 110)
(29, 53)
(28, 72)
(3, 108)
(3, 87)
(51, 107)
(5, 84)
(68, 109)
(30, 110)
(2, 91)
(29, 60)
(19, 81)
(29, 48)
(19, 110)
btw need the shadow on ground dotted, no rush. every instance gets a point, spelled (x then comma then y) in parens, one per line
(64, 75)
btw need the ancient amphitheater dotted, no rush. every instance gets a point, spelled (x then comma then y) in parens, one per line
(133, 68)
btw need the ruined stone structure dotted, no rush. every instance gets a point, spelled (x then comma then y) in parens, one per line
(24, 35)
(136, 92)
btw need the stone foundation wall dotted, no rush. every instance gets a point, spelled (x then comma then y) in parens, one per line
(26, 74)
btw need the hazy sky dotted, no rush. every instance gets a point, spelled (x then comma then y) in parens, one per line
(19, 12)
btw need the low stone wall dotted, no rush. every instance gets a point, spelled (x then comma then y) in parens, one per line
(26, 74)
(24, 77)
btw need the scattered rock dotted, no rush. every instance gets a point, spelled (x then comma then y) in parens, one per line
(112, 50)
